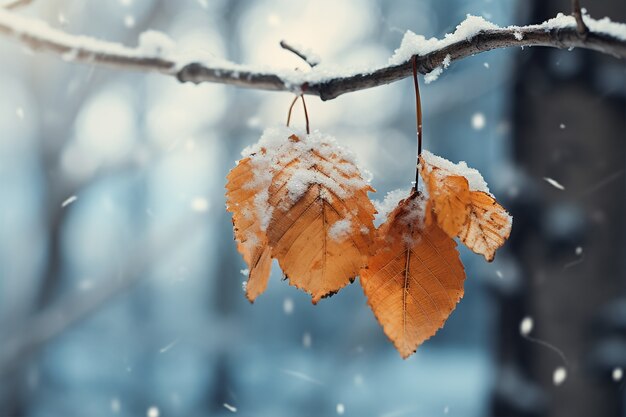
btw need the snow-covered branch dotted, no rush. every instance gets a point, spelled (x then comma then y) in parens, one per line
(157, 53)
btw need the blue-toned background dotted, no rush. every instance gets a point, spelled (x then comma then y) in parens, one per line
(127, 299)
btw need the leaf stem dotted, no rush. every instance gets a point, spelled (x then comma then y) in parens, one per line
(306, 113)
(293, 103)
(418, 115)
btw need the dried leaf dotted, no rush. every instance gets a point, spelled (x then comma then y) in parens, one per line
(449, 198)
(463, 206)
(322, 221)
(415, 278)
(488, 226)
(242, 190)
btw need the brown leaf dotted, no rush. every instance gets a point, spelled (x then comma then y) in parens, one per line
(251, 239)
(488, 226)
(473, 215)
(415, 279)
(322, 221)
(449, 197)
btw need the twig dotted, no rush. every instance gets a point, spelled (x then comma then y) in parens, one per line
(583, 30)
(96, 52)
(16, 4)
(311, 61)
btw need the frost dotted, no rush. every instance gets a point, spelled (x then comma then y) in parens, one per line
(559, 375)
(526, 326)
(340, 229)
(554, 183)
(155, 43)
(518, 35)
(475, 180)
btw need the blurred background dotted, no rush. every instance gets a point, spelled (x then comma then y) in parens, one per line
(120, 283)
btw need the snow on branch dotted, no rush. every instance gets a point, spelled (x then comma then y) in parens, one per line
(157, 53)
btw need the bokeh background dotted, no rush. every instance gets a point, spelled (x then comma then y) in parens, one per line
(120, 284)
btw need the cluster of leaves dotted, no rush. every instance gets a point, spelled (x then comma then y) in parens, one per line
(302, 200)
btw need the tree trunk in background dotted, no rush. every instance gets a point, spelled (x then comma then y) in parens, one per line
(569, 124)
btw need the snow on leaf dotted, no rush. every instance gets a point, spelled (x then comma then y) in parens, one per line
(483, 225)
(300, 198)
(316, 195)
(415, 279)
(449, 197)
(251, 239)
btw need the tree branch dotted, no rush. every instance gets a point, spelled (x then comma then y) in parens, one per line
(307, 57)
(583, 30)
(562, 32)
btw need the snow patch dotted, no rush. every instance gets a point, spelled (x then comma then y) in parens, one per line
(433, 75)
(413, 44)
(475, 180)
(155, 43)
(390, 202)
(309, 159)
(340, 229)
